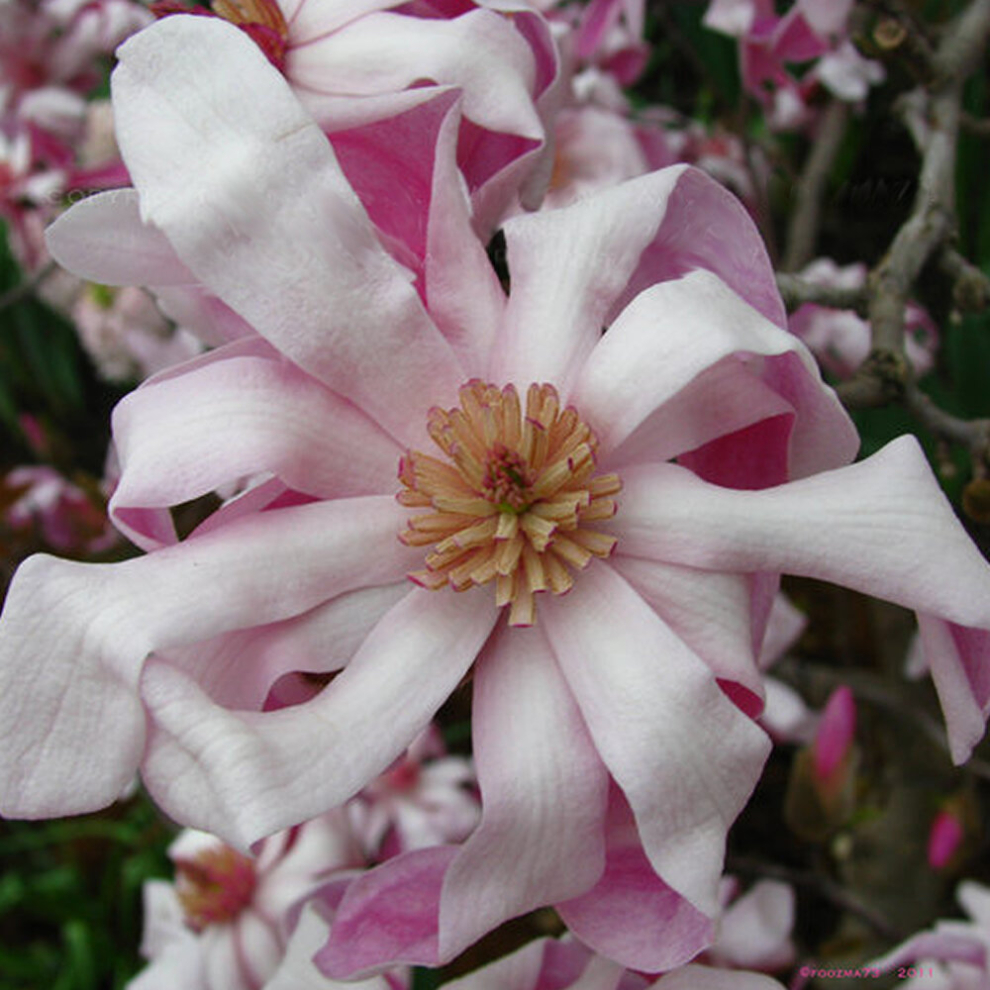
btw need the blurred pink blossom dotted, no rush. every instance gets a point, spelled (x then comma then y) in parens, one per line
(755, 929)
(945, 838)
(68, 519)
(953, 954)
(369, 74)
(425, 798)
(226, 921)
(840, 339)
(769, 43)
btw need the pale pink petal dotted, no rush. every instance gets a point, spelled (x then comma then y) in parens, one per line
(959, 664)
(103, 239)
(390, 913)
(463, 293)
(276, 232)
(221, 960)
(819, 436)
(724, 398)
(785, 625)
(631, 915)
(541, 837)
(73, 726)
(860, 526)
(665, 337)
(310, 19)
(297, 971)
(975, 900)
(708, 610)
(244, 775)
(882, 527)
(656, 227)
(196, 432)
(257, 944)
(685, 757)
(238, 669)
(755, 931)
(404, 170)
(948, 941)
(480, 52)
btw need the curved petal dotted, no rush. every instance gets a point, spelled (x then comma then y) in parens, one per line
(244, 775)
(404, 170)
(665, 337)
(196, 432)
(103, 239)
(882, 527)
(541, 837)
(238, 669)
(309, 20)
(246, 187)
(684, 755)
(74, 637)
(724, 398)
(755, 930)
(631, 915)
(959, 662)
(479, 52)
(650, 229)
(297, 971)
(389, 914)
(710, 611)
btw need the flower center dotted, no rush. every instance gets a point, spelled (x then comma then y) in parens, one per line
(215, 886)
(512, 501)
(261, 20)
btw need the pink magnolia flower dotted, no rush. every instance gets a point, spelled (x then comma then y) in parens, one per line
(126, 335)
(224, 924)
(370, 73)
(425, 798)
(840, 339)
(953, 955)
(768, 43)
(697, 415)
(49, 51)
(68, 519)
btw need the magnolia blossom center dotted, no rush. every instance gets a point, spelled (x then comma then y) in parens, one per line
(215, 886)
(512, 500)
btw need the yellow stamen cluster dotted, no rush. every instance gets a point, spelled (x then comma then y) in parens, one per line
(264, 12)
(215, 886)
(513, 503)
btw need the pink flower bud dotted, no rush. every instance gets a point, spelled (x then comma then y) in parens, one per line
(945, 838)
(835, 732)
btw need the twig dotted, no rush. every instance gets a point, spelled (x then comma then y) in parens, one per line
(973, 434)
(970, 286)
(980, 126)
(802, 230)
(797, 291)
(886, 375)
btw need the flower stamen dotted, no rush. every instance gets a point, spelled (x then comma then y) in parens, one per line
(512, 502)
